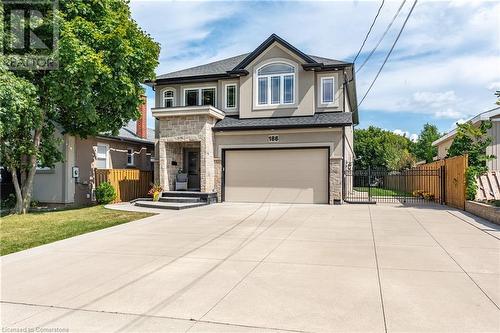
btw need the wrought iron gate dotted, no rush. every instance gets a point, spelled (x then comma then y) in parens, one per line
(408, 186)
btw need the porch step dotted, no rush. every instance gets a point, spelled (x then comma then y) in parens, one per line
(168, 205)
(208, 197)
(180, 199)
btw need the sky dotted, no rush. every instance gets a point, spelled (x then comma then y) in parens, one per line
(443, 70)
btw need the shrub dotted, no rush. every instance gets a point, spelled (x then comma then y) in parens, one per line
(105, 193)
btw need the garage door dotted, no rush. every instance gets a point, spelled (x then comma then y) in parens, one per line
(276, 175)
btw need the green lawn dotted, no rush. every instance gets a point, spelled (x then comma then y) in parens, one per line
(20, 232)
(379, 192)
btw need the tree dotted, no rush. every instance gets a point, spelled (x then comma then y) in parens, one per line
(473, 141)
(378, 148)
(423, 149)
(497, 94)
(103, 58)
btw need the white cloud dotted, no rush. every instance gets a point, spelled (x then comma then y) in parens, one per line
(448, 114)
(413, 137)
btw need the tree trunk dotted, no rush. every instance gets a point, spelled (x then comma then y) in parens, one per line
(17, 189)
(28, 183)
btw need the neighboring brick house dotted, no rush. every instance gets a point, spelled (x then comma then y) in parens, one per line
(131, 148)
(273, 125)
(493, 115)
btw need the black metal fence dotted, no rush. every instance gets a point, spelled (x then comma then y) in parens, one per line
(408, 186)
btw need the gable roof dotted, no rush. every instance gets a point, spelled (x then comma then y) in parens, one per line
(483, 116)
(235, 66)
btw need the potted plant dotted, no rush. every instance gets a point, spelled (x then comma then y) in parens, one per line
(155, 191)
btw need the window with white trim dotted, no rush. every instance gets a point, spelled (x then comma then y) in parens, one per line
(168, 98)
(276, 84)
(230, 96)
(130, 156)
(101, 156)
(199, 96)
(327, 90)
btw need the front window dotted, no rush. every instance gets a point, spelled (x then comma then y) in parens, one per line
(199, 96)
(327, 90)
(101, 160)
(276, 84)
(168, 98)
(130, 156)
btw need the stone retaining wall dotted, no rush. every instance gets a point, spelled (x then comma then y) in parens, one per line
(487, 212)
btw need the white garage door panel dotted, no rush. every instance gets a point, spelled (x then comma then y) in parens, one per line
(277, 175)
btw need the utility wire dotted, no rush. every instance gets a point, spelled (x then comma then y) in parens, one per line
(381, 38)
(369, 31)
(388, 54)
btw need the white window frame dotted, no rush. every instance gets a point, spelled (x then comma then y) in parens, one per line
(163, 98)
(235, 96)
(334, 102)
(131, 154)
(281, 103)
(106, 158)
(200, 98)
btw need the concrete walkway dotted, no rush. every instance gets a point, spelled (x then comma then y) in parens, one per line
(264, 268)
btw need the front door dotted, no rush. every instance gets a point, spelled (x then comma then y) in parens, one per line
(192, 167)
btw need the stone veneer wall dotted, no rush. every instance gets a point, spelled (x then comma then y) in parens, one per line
(335, 180)
(185, 131)
(218, 178)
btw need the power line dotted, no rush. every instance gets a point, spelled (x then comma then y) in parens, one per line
(369, 31)
(381, 38)
(390, 51)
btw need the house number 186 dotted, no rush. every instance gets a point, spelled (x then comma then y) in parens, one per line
(273, 138)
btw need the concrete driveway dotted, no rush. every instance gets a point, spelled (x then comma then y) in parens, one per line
(249, 267)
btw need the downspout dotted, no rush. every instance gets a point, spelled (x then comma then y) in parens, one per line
(343, 138)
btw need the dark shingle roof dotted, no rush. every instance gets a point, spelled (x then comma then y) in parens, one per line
(317, 120)
(225, 65)
(217, 67)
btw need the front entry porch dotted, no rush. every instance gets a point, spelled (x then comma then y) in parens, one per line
(185, 145)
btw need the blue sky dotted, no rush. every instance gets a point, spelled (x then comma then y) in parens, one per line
(444, 68)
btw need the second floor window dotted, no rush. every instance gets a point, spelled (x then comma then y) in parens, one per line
(199, 96)
(327, 90)
(276, 84)
(230, 96)
(168, 98)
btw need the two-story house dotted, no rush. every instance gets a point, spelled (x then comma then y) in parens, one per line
(273, 125)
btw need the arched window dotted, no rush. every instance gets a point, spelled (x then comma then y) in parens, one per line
(276, 84)
(168, 98)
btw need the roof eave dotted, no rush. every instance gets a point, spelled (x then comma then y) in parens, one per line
(262, 127)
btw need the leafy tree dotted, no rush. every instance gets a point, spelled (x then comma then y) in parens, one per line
(497, 94)
(423, 149)
(103, 57)
(378, 148)
(473, 141)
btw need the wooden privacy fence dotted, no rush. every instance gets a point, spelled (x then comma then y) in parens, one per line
(445, 179)
(129, 184)
(488, 186)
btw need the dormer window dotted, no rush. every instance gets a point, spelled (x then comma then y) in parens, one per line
(168, 98)
(276, 84)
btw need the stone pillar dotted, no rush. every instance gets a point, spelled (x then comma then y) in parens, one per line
(163, 167)
(207, 169)
(218, 178)
(335, 180)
